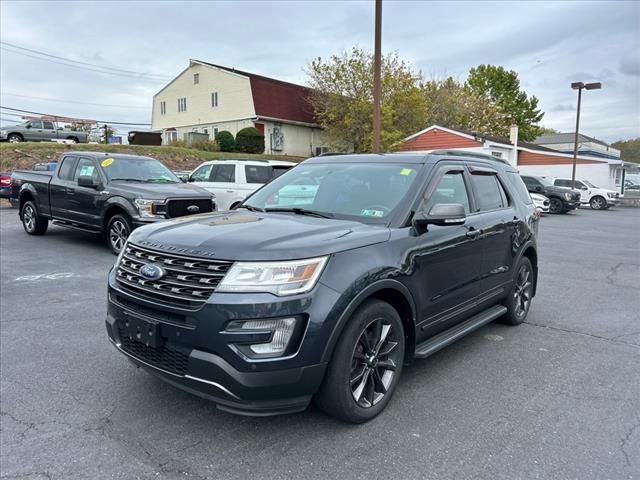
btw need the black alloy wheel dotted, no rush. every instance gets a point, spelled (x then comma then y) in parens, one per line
(556, 205)
(118, 231)
(518, 302)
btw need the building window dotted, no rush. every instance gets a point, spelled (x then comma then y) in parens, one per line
(163, 108)
(196, 78)
(215, 132)
(214, 99)
(182, 104)
(497, 154)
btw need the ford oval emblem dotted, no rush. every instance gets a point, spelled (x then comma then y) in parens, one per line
(193, 209)
(152, 272)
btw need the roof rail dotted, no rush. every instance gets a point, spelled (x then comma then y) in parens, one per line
(331, 154)
(464, 153)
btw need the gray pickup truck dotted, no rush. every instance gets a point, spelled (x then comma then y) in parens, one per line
(40, 131)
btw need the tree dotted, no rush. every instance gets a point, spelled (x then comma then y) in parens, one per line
(502, 88)
(250, 140)
(342, 99)
(225, 141)
(629, 149)
(451, 104)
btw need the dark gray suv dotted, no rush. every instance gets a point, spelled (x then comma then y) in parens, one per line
(327, 281)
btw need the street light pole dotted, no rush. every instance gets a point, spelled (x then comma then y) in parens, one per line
(579, 86)
(376, 78)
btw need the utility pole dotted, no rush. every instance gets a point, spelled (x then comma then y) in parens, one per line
(377, 78)
(579, 86)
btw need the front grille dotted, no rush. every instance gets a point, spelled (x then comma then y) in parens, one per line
(168, 357)
(181, 207)
(187, 283)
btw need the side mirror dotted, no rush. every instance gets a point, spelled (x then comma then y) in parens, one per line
(184, 179)
(538, 188)
(87, 181)
(440, 214)
(28, 125)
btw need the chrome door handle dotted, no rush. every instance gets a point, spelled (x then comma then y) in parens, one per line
(230, 191)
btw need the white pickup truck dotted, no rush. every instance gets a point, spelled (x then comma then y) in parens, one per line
(234, 180)
(597, 198)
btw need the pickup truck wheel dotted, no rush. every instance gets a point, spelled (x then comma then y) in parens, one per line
(598, 203)
(555, 205)
(15, 138)
(73, 139)
(366, 364)
(519, 299)
(32, 222)
(118, 230)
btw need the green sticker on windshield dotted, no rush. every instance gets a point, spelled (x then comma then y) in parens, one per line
(405, 171)
(371, 213)
(106, 162)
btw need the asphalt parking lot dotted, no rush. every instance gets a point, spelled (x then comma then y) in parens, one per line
(557, 397)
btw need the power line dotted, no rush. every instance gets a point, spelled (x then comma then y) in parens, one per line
(72, 101)
(68, 116)
(120, 70)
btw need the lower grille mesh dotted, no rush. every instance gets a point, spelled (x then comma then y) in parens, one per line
(168, 357)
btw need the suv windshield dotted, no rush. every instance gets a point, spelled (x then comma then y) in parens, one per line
(146, 170)
(365, 192)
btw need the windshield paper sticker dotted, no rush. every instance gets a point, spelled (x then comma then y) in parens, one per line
(405, 172)
(371, 213)
(106, 162)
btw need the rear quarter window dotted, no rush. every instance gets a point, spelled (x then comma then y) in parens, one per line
(517, 186)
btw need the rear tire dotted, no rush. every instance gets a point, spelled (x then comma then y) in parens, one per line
(118, 230)
(520, 295)
(32, 222)
(366, 364)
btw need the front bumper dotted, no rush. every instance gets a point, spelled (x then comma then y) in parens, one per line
(198, 358)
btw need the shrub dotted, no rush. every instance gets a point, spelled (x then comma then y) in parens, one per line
(250, 140)
(206, 146)
(177, 143)
(225, 140)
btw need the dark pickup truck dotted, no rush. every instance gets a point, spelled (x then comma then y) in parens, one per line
(562, 200)
(105, 193)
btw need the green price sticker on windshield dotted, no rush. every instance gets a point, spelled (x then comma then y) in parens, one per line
(405, 171)
(106, 162)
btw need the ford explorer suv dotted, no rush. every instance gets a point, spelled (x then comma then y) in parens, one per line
(40, 131)
(104, 193)
(266, 307)
(561, 200)
(597, 198)
(231, 181)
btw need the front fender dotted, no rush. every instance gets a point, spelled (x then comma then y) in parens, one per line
(120, 202)
(353, 302)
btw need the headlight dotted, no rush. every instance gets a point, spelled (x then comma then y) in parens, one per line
(279, 278)
(611, 195)
(568, 195)
(150, 208)
(277, 334)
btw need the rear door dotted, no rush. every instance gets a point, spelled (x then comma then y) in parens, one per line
(497, 220)
(85, 203)
(35, 132)
(61, 188)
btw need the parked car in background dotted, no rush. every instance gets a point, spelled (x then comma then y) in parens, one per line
(631, 186)
(234, 180)
(105, 193)
(45, 167)
(6, 185)
(561, 200)
(182, 174)
(541, 202)
(597, 198)
(393, 258)
(40, 131)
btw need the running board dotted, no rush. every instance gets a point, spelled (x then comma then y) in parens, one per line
(432, 345)
(74, 227)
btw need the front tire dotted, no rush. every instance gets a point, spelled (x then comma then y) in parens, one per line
(32, 222)
(519, 299)
(15, 138)
(118, 230)
(366, 364)
(555, 205)
(598, 203)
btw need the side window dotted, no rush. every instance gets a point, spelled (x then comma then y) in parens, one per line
(36, 124)
(202, 174)
(48, 125)
(85, 168)
(451, 188)
(258, 173)
(225, 173)
(562, 183)
(66, 168)
(519, 187)
(488, 192)
(578, 185)
(529, 182)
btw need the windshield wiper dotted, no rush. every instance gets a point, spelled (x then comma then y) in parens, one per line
(301, 211)
(251, 208)
(128, 180)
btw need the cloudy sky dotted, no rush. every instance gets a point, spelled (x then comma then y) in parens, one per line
(550, 44)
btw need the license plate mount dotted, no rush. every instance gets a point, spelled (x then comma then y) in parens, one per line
(142, 331)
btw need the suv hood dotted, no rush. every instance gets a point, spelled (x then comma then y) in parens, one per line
(159, 191)
(257, 236)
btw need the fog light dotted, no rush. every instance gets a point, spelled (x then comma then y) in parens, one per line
(281, 330)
